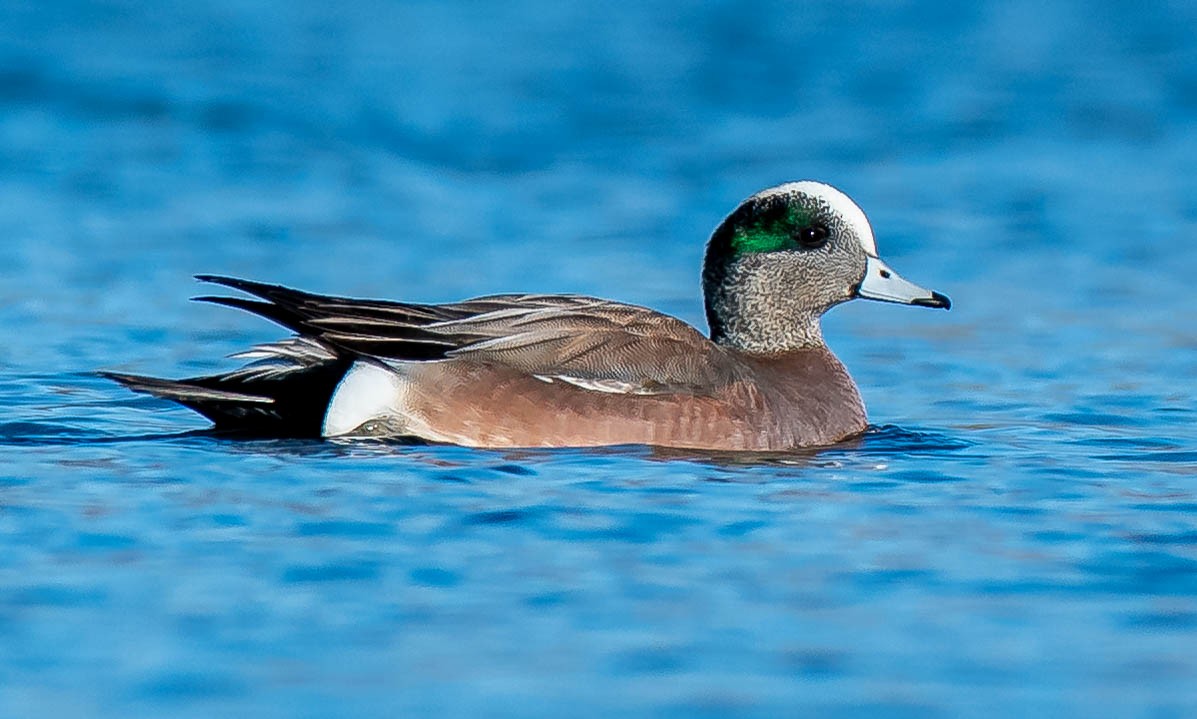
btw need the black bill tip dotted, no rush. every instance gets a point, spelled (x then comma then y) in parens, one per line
(935, 300)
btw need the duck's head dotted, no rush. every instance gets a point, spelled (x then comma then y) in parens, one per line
(784, 257)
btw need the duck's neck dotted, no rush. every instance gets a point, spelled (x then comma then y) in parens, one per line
(745, 311)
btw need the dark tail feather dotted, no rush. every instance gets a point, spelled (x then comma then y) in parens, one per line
(272, 312)
(282, 304)
(265, 290)
(196, 389)
(285, 405)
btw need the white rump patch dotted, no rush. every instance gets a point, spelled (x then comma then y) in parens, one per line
(368, 391)
(840, 203)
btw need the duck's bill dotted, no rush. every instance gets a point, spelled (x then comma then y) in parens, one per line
(883, 284)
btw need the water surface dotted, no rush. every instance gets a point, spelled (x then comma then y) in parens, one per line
(1017, 535)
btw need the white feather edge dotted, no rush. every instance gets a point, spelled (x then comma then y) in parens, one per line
(608, 386)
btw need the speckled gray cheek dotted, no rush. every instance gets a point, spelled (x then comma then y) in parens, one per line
(769, 303)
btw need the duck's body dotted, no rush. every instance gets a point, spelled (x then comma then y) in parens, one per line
(565, 370)
(758, 405)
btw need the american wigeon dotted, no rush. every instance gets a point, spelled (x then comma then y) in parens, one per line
(568, 370)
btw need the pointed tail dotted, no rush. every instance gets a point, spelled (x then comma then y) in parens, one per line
(290, 404)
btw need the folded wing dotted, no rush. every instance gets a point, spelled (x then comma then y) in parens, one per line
(584, 341)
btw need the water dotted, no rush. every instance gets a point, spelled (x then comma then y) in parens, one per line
(1016, 536)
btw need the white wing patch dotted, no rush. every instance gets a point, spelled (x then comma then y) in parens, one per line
(609, 386)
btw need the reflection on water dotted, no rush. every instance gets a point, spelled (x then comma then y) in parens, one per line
(1013, 536)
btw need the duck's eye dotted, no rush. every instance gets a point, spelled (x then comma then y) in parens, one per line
(813, 237)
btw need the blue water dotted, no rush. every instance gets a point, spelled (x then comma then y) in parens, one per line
(1017, 536)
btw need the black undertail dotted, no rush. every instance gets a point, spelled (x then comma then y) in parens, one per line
(248, 404)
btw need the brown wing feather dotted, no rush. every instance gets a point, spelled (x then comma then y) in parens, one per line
(600, 340)
(576, 338)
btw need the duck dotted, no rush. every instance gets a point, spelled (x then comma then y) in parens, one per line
(564, 370)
